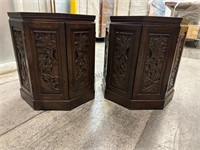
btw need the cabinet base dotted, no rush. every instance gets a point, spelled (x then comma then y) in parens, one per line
(138, 104)
(57, 104)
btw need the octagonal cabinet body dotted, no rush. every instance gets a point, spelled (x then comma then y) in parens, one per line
(55, 58)
(142, 57)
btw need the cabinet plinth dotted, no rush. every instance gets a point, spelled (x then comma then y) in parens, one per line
(142, 57)
(55, 58)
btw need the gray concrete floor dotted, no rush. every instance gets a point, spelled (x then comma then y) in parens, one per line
(101, 124)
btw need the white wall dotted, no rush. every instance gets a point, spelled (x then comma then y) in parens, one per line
(123, 7)
(138, 7)
(131, 7)
(6, 48)
(63, 6)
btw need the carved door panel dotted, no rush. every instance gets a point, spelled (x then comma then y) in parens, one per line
(80, 54)
(122, 56)
(47, 47)
(154, 61)
(20, 50)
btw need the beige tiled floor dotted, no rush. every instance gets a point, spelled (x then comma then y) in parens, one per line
(101, 124)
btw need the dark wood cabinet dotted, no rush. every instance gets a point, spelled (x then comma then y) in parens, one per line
(142, 57)
(55, 58)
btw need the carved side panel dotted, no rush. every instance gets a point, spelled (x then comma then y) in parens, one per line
(47, 55)
(81, 59)
(106, 53)
(155, 59)
(21, 58)
(176, 61)
(121, 59)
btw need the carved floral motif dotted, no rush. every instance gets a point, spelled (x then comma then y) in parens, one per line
(22, 65)
(47, 54)
(154, 63)
(121, 60)
(176, 61)
(81, 59)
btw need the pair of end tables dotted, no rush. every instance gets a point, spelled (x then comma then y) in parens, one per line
(55, 58)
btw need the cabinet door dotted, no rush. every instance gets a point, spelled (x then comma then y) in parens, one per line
(46, 45)
(155, 58)
(122, 56)
(80, 55)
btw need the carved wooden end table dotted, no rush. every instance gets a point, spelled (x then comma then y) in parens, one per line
(142, 57)
(55, 58)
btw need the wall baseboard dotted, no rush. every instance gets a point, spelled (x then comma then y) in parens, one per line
(8, 67)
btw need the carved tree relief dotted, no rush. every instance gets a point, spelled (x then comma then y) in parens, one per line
(22, 65)
(176, 61)
(81, 59)
(47, 55)
(121, 58)
(154, 63)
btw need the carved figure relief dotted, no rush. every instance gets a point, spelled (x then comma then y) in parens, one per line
(176, 61)
(47, 55)
(81, 59)
(121, 60)
(154, 63)
(22, 64)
